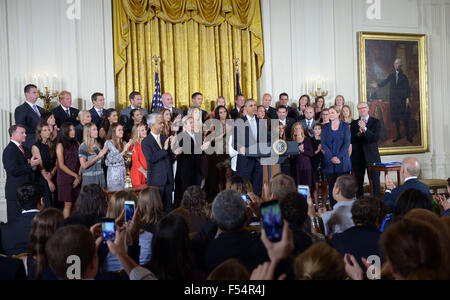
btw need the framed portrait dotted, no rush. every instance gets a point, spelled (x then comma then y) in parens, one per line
(393, 81)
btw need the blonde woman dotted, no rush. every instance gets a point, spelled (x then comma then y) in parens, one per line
(84, 117)
(303, 174)
(196, 114)
(346, 114)
(115, 208)
(339, 101)
(91, 155)
(151, 208)
(138, 171)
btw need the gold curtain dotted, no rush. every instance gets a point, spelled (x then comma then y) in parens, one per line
(197, 41)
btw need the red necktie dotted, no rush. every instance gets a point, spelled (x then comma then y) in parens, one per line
(23, 152)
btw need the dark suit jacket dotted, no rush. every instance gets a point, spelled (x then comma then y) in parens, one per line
(159, 161)
(272, 113)
(359, 241)
(27, 117)
(11, 269)
(96, 118)
(390, 198)
(190, 168)
(61, 117)
(234, 113)
(243, 246)
(311, 130)
(342, 143)
(292, 113)
(18, 172)
(16, 234)
(365, 146)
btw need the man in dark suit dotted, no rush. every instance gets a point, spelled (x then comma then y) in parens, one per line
(29, 114)
(15, 234)
(410, 172)
(246, 141)
(270, 111)
(292, 112)
(65, 113)
(308, 122)
(365, 136)
(239, 103)
(159, 157)
(167, 101)
(230, 214)
(282, 113)
(136, 103)
(399, 95)
(19, 165)
(98, 109)
(197, 101)
(11, 269)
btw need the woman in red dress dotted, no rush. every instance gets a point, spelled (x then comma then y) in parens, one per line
(138, 171)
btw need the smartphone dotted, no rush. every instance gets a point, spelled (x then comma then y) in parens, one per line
(272, 220)
(130, 206)
(108, 230)
(303, 190)
(245, 198)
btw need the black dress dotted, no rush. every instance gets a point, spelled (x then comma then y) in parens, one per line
(48, 163)
(317, 161)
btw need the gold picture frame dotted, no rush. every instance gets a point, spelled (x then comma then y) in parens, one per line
(404, 121)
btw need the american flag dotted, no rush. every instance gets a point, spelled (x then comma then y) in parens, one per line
(157, 103)
(238, 85)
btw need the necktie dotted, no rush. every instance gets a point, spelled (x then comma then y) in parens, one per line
(68, 112)
(100, 113)
(396, 78)
(36, 110)
(21, 149)
(309, 124)
(158, 139)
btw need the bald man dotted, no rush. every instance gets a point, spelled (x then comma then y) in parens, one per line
(167, 101)
(409, 172)
(270, 111)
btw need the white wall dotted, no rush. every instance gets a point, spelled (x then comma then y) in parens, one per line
(37, 36)
(307, 38)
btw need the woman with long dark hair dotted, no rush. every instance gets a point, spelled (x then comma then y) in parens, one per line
(111, 116)
(45, 150)
(114, 159)
(69, 171)
(48, 118)
(223, 161)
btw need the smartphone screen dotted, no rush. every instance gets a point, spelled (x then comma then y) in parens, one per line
(272, 220)
(129, 211)
(245, 198)
(303, 190)
(108, 230)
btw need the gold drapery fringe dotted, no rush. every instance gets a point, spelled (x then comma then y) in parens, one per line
(197, 41)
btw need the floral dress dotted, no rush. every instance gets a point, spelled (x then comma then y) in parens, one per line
(115, 162)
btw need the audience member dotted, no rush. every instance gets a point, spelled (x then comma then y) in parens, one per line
(45, 174)
(234, 241)
(292, 113)
(409, 172)
(223, 161)
(69, 171)
(339, 101)
(98, 109)
(335, 143)
(16, 233)
(325, 116)
(150, 208)
(365, 137)
(92, 201)
(308, 122)
(11, 269)
(43, 227)
(443, 201)
(91, 157)
(167, 101)
(282, 113)
(138, 172)
(295, 211)
(194, 201)
(303, 103)
(317, 165)
(115, 160)
(340, 218)
(47, 118)
(415, 251)
(136, 117)
(167, 118)
(239, 104)
(65, 113)
(361, 241)
(29, 114)
(408, 200)
(270, 111)
(319, 262)
(319, 106)
(19, 167)
(171, 252)
(231, 269)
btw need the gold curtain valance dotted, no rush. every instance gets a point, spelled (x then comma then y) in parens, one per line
(241, 14)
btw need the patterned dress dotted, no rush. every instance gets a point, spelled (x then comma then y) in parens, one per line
(116, 167)
(94, 174)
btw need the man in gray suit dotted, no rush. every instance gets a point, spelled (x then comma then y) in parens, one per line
(167, 101)
(136, 103)
(309, 122)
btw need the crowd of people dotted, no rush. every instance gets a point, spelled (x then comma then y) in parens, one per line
(190, 220)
